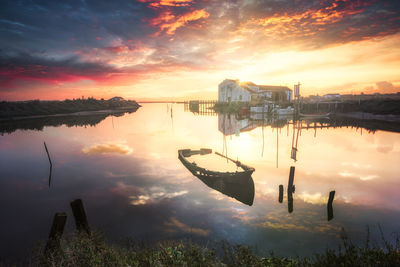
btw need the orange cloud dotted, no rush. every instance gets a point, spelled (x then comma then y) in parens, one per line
(170, 23)
(306, 23)
(161, 3)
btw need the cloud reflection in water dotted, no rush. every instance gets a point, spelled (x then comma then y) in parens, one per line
(154, 197)
(173, 224)
(108, 149)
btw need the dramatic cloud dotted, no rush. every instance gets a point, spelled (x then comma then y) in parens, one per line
(169, 3)
(320, 23)
(25, 66)
(169, 23)
(122, 44)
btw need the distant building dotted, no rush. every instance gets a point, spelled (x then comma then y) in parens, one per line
(235, 91)
(331, 96)
(116, 98)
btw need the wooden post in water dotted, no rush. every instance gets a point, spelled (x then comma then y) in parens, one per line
(56, 231)
(290, 202)
(330, 208)
(280, 193)
(290, 189)
(81, 221)
(291, 178)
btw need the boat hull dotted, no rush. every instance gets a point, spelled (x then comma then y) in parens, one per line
(238, 185)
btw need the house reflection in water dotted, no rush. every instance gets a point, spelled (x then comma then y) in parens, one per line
(230, 124)
(238, 185)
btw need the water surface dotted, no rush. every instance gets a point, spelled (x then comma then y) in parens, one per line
(126, 171)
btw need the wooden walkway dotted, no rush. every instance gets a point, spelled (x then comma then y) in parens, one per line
(201, 107)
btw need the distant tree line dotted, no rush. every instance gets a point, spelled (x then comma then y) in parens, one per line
(37, 107)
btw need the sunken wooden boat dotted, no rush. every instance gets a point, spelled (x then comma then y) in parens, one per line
(238, 185)
(183, 154)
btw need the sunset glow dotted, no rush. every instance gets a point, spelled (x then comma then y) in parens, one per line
(182, 49)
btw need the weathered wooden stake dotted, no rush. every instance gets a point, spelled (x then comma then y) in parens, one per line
(329, 206)
(280, 193)
(290, 203)
(56, 231)
(290, 189)
(291, 179)
(81, 221)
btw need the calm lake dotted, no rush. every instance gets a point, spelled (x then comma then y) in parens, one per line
(127, 172)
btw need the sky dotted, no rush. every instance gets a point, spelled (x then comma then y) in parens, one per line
(182, 49)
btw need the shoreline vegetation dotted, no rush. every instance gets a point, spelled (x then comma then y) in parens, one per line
(36, 109)
(38, 123)
(371, 109)
(80, 249)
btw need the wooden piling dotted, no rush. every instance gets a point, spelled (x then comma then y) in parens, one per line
(291, 178)
(280, 193)
(331, 196)
(56, 231)
(81, 221)
(290, 189)
(329, 206)
(290, 203)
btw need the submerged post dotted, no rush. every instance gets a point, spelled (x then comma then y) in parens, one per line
(290, 189)
(291, 179)
(290, 202)
(81, 221)
(280, 193)
(56, 231)
(330, 208)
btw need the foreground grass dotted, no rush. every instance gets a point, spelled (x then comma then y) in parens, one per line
(81, 250)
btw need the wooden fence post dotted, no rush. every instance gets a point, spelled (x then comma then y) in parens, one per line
(290, 189)
(280, 193)
(290, 203)
(56, 231)
(81, 221)
(291, 179)
(330, 208)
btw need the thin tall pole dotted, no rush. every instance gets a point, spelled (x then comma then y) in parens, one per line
(51, 164)
(277, 147)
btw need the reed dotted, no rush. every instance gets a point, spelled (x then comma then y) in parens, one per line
(83, 250)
